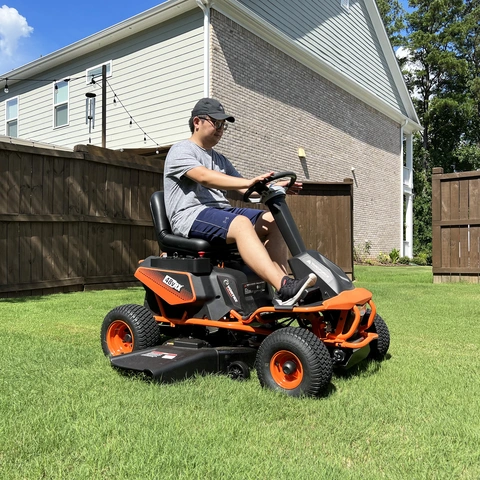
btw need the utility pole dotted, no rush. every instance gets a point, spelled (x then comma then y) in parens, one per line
(104, 106)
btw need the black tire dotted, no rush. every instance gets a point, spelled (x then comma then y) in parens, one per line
(295, 362)
(238, 370)
(380, 346)
(128, 328)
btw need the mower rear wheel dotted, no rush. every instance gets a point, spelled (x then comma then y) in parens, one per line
(379, 347)
(295, 362)
(128, 328)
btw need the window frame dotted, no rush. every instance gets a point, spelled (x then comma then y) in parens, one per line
(13, 119)
(59, 104)
(88, 78)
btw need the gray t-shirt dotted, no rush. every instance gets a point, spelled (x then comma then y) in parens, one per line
(184, 198)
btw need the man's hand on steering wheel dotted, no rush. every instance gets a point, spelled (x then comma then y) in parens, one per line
(294, 189)
(259, 184)
(261, 178)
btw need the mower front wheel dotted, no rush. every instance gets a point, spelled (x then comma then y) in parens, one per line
(380, 346)
(295, 362)
(128, 328)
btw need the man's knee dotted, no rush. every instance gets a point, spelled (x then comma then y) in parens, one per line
(240, 226)
(266, 225)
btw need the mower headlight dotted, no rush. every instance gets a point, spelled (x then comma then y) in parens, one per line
(363, 309)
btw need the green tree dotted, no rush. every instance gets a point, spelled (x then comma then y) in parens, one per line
(393, 16)
(441, 65)
(467, 44)
(442, 74)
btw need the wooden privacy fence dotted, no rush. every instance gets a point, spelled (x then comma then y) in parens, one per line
(81, 220)
(455, 226)
(73, 220)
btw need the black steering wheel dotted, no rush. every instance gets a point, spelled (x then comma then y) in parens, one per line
(262, 185)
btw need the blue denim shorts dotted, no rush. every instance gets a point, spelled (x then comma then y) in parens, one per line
(212, 224)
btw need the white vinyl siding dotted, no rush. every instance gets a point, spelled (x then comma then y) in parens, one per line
(343, 38)
(11, 117)
(158, 76)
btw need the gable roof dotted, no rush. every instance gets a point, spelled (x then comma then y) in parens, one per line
(306, 38)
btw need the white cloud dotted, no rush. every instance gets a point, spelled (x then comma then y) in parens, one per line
(404, 53)
(13, 26)
(409, 68)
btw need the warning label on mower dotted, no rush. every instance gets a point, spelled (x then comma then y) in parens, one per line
(155, 354)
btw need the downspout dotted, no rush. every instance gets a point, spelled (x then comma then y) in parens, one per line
(407, 250)
(403, 219)
(205, 6)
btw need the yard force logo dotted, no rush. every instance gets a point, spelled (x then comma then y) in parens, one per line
(230, 291)
(172, 283)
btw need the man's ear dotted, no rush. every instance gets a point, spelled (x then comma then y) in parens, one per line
(196, 123)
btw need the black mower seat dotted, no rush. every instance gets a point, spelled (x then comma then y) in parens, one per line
(171, 244)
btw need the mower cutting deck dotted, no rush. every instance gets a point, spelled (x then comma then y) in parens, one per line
(206, 312)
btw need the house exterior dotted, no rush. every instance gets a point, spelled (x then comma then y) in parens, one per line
(315, 89)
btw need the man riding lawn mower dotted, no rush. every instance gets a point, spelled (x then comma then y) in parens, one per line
(220, 292)
(219, 316)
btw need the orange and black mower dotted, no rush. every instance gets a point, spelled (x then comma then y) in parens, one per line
(205, 311)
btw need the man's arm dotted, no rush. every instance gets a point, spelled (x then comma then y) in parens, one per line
(213, 179)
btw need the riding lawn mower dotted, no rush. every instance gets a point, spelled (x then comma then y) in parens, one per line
(205, 311)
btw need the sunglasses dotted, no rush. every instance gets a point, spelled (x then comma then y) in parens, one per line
(218, 124)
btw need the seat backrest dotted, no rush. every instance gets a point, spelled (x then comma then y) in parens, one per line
(167, 241)
(159, 214)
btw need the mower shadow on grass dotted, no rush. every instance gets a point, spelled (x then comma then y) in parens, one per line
(364, 369)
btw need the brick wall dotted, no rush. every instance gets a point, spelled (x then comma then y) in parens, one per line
(281, 105)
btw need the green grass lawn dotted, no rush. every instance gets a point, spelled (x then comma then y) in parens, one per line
(66, 414)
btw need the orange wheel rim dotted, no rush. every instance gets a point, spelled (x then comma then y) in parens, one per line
(119, 338)
(286, 369)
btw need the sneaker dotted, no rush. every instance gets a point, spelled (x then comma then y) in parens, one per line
(292, 289)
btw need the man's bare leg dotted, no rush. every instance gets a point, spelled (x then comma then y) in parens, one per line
(275, 245)
(253, 252)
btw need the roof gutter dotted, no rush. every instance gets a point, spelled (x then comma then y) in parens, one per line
(205, 6)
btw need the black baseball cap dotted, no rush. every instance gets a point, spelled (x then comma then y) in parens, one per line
(211, 107)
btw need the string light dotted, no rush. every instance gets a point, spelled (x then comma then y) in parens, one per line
(132, 120)
(116, 100)
(42, 80)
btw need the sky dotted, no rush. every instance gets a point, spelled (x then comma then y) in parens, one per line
(30, 29)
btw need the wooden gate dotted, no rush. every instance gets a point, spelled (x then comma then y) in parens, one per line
(455, 226)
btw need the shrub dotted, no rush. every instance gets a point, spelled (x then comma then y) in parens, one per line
(360, 254)
(420, 260)
(404, 260)
(383, 258)
(394, 255)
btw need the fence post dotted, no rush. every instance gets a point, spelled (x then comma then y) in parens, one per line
(436, 217)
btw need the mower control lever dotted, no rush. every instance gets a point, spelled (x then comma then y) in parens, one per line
(262, 185)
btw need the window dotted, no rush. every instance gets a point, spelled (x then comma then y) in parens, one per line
(60, 103)
(95, 73)
(11, 117)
